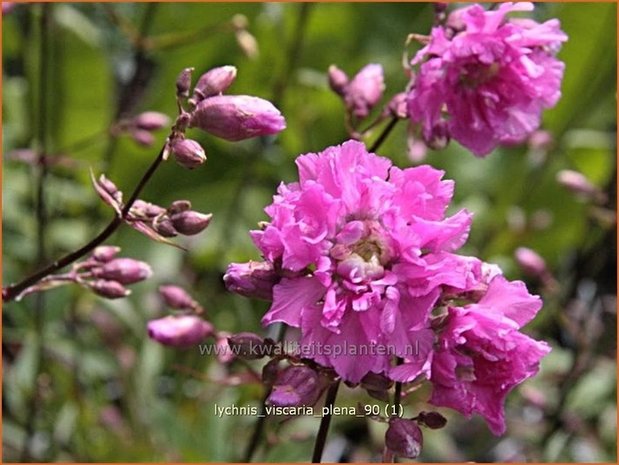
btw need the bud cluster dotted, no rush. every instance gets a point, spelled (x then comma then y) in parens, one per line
(142, 126)
(154, 221)
(229, 117)
(103, 273)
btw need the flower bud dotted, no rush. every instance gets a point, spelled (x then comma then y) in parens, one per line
(105, 253)
(432, 420)
(109, 289)
(176, 297)
(164, 227)
(541, 140)
(151, 120)
(150, 210)
(295, 386)
(248, 346)
(183, 82)
(214, 82)
(237, 117)
(530, 261)
(338, 80)
(577, 183)
(190, 222)
(125, 270)
(143, 137)
(365, 90)
(377, 385)
(438, 137)
(398, 105)
(251, 279)
(404, 438)
(179, 331)
(179, 206)
(188, 153)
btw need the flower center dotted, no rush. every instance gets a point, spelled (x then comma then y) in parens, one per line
(475, 75)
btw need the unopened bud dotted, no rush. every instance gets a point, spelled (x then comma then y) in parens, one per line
(109, 289)
(125, 270)
(432, 420)
(398, 105)
(248, 346)
(188, 153)
(190, 222)
(237, 117)
(247, 43)
(214, 82)
(105, 253)
(164, 227)
(338, 80)
(579, 184)
(541, 140)
(251, 279)
(183, 82)
(151, 120)
(365, 90)
(295, 386)
(143, 137)
(147, 209)
(530, 261)
(179, 331)
(438, 137)
(404, 438)
(179, 206)
(377, 386)
(176, 297)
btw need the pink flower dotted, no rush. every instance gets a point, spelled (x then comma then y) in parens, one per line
(482, 354)
(486, 77)
(363, 249)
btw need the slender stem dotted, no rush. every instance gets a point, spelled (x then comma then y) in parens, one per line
(12, 292)
(41, 221)
(383, 135)
(252, 446)
(321, 438)
(293, 54)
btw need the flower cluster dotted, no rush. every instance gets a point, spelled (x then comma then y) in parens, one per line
(484, 80)
(364, 257)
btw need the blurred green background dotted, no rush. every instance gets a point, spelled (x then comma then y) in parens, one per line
(82, 382)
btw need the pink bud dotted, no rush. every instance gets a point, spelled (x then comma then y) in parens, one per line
(190, 222)
(214, 82)
(151, 120)
(417, 149)
(251, 279)
(188, 153)
(398, 106)
(530, 261)
(377, 386)
(432, 420)
(179, 331)
(248, 346)
(105, 253)
(338, 80)
(109, 289)
(179, 206)
(237, 117)
(541, 140)
(438, 137)
(125, 270)
(365, 90)
(148, 209)
(176, 297)
(404, 438)
(295, 386)
(143, 137)
(224, 353)
(577, 183)
(164, 227)
(183, 82)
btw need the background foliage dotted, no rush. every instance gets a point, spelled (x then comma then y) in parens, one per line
(83, 381)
